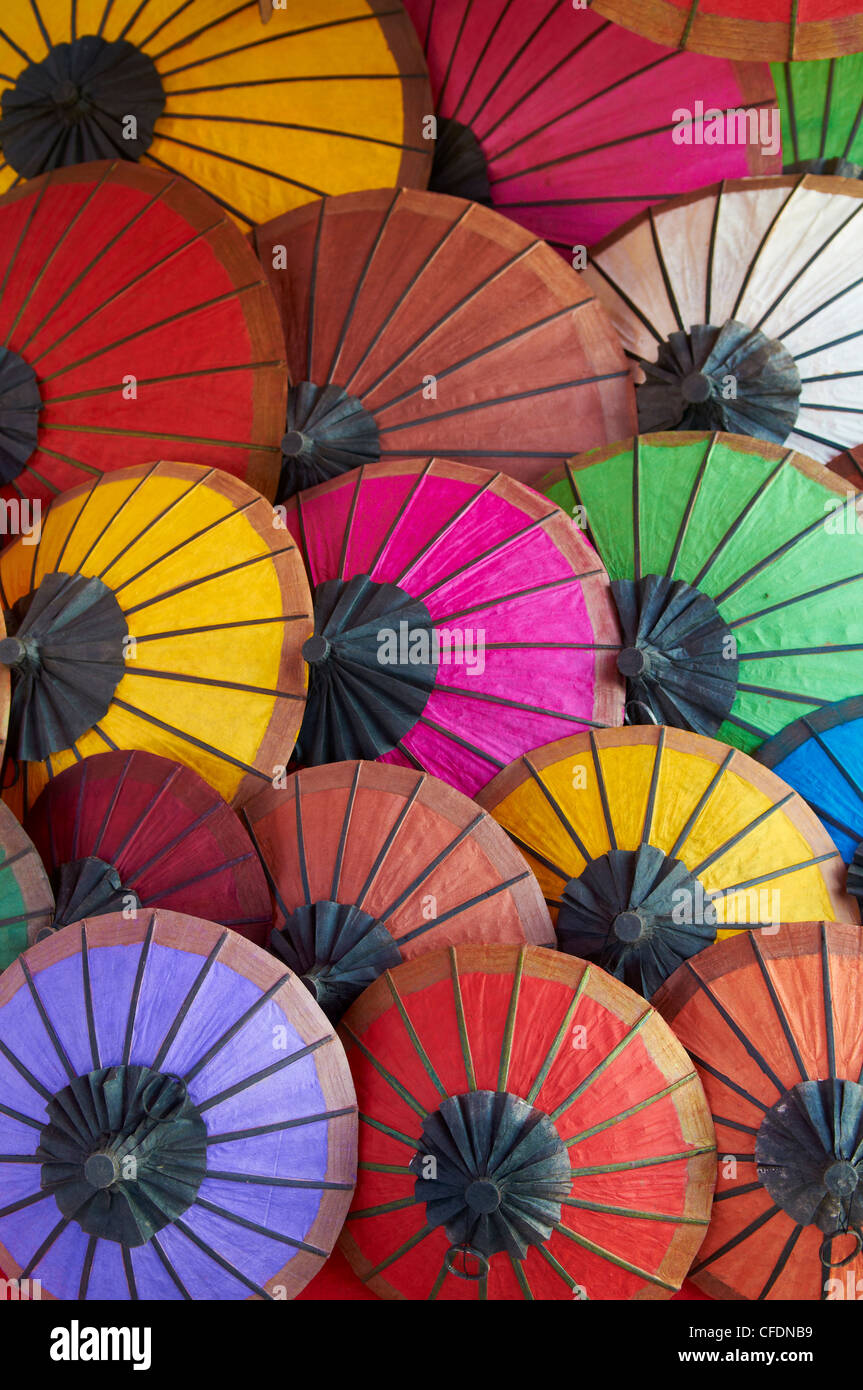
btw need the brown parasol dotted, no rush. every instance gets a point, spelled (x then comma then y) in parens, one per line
(420, 324)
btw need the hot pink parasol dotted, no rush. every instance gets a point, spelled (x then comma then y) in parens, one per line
(460, 620)
(567, 122)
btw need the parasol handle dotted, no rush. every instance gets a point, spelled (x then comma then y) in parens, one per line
(828, 1241)
(12, 651)
(638, 704)
(465, 1251)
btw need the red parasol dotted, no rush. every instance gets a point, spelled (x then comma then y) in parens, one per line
(336, 1281)
(775, 30)
(372, 864)
(135, 325)
(528, 1129)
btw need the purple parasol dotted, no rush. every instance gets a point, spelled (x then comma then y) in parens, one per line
(177, 1118)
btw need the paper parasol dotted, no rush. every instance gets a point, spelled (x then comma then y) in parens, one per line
(418, 324)
(162, 610)
(177, 1116)
(736, 567)
(372, 864)
(336, 1282)
(821, 106)
(739, 304)
(459, 620)
(774, 1027)
(567, 123)
(849, 465)
(528, 1129)
(328, 98)
(688, 1293)
(648, 843)
(129, 830)
(134, 324)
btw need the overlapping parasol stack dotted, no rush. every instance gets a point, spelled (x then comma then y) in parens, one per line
(390, 907)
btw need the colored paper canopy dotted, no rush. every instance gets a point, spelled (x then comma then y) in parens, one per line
(821, 757)
(258, 118)
(773, 1024)
(503, 1156)
(174, 1042)
(134, 324)
(417, 324)
(565, 122)
(729, 560)
(162, 610)
(768, 29)
(145, 829)
(738, 305)
(372, 864)
(649, 843)
(26, 900)
(459, 620)
(821, 108)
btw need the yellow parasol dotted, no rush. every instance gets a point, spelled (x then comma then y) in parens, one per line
(161, 610)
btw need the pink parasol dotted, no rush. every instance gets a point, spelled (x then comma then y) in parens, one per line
(565, 122)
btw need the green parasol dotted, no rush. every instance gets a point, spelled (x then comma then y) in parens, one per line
(821, 106)
(26, 899)
(737, 569)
